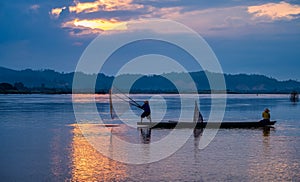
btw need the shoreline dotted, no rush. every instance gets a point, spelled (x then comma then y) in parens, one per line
(136, 93)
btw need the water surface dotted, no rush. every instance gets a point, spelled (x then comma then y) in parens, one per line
(40, 141)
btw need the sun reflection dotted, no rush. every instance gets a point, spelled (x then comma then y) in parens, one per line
(87, 98)
(89, 165)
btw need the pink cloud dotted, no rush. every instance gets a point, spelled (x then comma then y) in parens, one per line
(275, 11)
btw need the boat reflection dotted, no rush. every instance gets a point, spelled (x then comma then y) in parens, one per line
(266, 131)
(89, 165)
(198, 132)
(197, 135)
(145, 135)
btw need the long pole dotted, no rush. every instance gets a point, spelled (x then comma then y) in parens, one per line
(134, 102)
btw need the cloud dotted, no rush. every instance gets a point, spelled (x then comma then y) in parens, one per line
(211, 21)
(97, 6)
(56, 12)
(104, 5)
(233, 21)
(275, 11)
(199, 19)
(93, 26)
(77, 44)
(34, 7)
(89, 25)
(222, 21)
(86, 7)
(170, 12)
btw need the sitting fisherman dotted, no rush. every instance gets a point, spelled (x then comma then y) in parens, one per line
(266, 115)
(146, 109)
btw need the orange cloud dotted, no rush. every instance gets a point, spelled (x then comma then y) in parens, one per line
(214, 21)
(94, 26)
(86, 7)
(105, 5)
(275, 11)
(98, 5)
(56, 12)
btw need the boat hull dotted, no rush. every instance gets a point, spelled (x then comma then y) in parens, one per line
(173, 124)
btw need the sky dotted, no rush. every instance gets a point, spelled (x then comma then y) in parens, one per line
(253, 37)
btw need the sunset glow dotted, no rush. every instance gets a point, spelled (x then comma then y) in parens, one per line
(94, 26)
(100, 24)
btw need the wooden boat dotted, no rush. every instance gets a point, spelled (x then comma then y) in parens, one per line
(173, 124)
(198, 123)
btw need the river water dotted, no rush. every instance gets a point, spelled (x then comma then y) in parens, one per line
(40, 140)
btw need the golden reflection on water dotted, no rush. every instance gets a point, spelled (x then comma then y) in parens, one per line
(89, 165)
(88, 98)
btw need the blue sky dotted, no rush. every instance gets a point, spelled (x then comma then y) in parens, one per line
(257, 36)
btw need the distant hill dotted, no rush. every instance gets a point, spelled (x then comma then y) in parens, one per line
(36, 78)
(50, 81)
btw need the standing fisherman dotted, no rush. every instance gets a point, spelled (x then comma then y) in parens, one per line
(146, 109)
